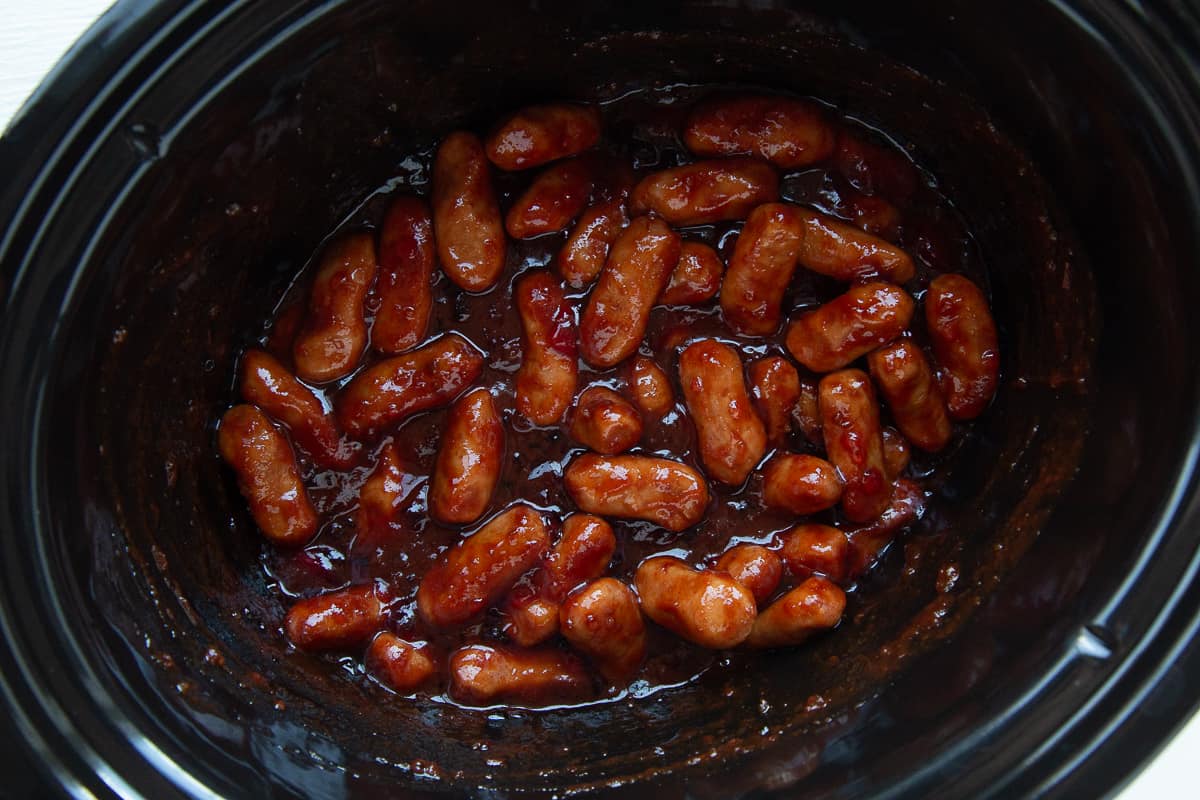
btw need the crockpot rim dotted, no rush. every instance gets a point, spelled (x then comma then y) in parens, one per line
(47, 128)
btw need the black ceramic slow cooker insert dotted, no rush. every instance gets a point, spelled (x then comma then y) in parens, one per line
(172, 174)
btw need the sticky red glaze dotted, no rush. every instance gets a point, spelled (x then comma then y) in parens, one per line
(398, 387)
(816, 548)
(906, 506)
(581, 554)
(400, 665)
(761, 268)
(380, 496)
(775, 387)
(405, 283)
(706, 191)
(787, 132)
(896, 453)
(638, 268)
(549, 355)
(875, 170)
(696, 278)
(800, 484)
(482, 675)
(846, 253)
(334, 334)
(267, 476)
(582, 257)
(556, 196)
(466, 215)
(707, 608)
(481, 568)
(963, 335)
(266, 383)
(336, 620)
(540, 134)
(732, 437)
(907, 383)
(850, 421)
(658, 490)
(755, 567)
(650, 387)
(605, 422)
(849, 326)
(814, 606)
(469, 459)
(604, 622)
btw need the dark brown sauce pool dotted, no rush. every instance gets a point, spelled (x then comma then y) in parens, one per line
(641, 128)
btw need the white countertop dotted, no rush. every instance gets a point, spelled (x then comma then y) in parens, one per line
(34, 34)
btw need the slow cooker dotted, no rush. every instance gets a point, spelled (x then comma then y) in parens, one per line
(171, 175)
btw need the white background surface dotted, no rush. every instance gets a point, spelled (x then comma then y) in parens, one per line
(34, 34)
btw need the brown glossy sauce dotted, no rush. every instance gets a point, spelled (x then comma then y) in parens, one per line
(641, 129)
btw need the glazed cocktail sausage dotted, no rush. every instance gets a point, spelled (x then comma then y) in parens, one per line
(469, 459)
(336, 620)
(789, 133)
(707, 608)
(401, 665)
(964, 340)
(849, 326)
(696, 278)
(582, 257)
(466, 215)
(267, 476)
(706, 191)
(775, 387)
(817, 548)
(761, 268)
(480, 569)
(398, 387)
(906, 381)
(638, 268)
(848, 253)
(555, 197)
(800, 484)
(813, 606)
(657, 490)
(483, 675)
(850, 420)
(537, 135)
(604, 622)
(605, 422)
(549, 354)
(405, 283)
(650, 387)
(333, 335)
(732, 437)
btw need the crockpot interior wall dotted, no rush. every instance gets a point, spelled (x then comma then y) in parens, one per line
(241, 182)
